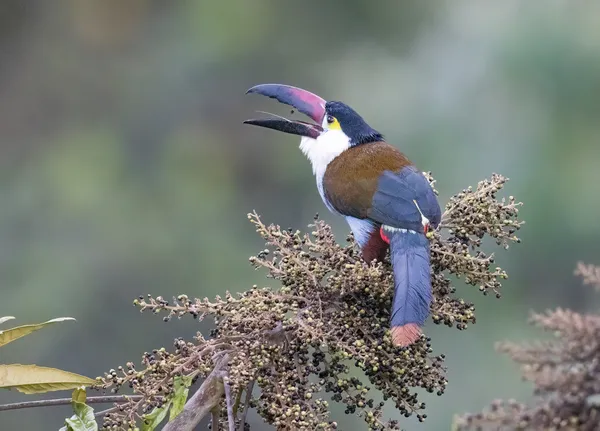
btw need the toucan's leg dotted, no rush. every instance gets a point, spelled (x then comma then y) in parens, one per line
(375, 248)
(366, 234)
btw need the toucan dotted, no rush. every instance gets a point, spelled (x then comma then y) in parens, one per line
(386, 200)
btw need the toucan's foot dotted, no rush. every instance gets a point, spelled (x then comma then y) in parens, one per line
(405, 335)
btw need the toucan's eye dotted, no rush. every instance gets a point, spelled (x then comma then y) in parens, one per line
(331, 123)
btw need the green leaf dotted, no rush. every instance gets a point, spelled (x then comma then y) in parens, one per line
(31, 379)
(180, 394)
(79, 395)
(83, 419)
(6, 319)
(155, 417)
(13, 334)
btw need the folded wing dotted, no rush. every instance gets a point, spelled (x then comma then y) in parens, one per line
(378, 182)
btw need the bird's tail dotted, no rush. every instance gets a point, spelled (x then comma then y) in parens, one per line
(409, 253)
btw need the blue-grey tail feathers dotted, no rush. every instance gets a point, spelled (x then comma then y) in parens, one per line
(409, 253)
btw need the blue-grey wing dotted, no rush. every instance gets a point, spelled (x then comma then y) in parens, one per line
(395, 197)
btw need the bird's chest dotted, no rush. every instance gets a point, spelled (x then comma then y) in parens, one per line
(321, 152)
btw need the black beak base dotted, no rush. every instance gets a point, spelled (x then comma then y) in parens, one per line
(299, 128)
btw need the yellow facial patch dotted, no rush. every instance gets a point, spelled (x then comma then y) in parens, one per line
(334, 125)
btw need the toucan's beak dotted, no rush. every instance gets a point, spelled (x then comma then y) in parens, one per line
(289, 126)
(304, 101)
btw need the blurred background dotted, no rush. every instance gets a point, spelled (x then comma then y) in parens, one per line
(125, 168)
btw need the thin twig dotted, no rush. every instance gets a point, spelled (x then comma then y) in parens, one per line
(104, 412)
(215, 413)
(249, 389)
(230, 416)
(67, 401)
(236, 404)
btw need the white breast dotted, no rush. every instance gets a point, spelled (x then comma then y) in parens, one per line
(321, 152)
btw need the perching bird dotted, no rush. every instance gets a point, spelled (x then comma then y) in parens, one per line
(384, 198)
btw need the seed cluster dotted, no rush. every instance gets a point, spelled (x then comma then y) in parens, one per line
(469, 217)
(474, 213)
(565, 373)
(323, 335)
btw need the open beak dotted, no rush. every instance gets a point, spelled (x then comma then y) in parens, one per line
(304, 101)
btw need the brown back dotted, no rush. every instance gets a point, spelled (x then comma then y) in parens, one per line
(351, 178)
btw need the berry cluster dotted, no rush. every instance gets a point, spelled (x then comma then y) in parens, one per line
(323, 335)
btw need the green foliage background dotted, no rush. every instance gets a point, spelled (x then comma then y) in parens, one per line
(125, 169)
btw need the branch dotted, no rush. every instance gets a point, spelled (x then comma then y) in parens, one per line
(215, 419)
(246, 404)
(67, 401)
(230, 416)
(202, 402)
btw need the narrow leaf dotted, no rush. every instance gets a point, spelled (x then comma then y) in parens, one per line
(13, 334)
(6, 319)
(31, 379)
(155, 417)
(180, 394)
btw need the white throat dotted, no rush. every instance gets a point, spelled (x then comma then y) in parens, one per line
(322, 151)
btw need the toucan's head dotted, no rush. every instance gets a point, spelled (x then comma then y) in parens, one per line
(339, 116)
(334, 121)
